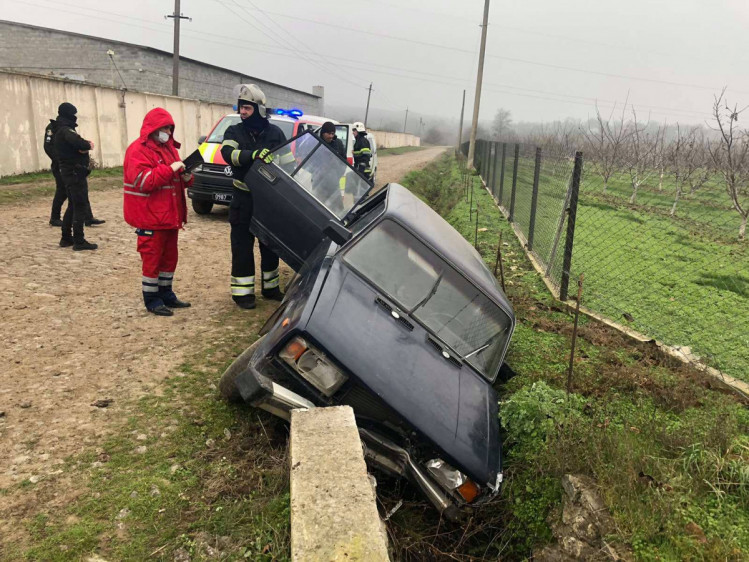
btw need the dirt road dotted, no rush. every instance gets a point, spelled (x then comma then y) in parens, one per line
(75, 331)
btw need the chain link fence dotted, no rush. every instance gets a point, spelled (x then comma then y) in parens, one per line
(666, 265)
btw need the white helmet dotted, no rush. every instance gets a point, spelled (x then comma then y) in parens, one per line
(251, 93)
(359, 127)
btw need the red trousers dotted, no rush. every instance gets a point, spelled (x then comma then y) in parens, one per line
(158, 250)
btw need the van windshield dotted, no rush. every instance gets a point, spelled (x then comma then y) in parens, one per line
(447, 304)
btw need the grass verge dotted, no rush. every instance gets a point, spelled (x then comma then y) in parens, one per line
(187, 477)
(669, 453)
(40, 184)
(399, 150)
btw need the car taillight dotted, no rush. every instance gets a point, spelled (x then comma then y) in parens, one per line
(350, 160)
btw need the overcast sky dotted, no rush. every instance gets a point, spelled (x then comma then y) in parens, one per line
(546, 60)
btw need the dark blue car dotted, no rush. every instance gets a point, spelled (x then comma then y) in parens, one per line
(392, 312)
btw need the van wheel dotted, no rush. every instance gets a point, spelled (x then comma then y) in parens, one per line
(202, 207)
(227, 385)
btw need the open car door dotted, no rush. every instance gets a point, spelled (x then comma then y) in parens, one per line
(302, 197)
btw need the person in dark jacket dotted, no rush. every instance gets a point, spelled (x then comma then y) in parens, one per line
(327, 134)
(362, 150)
(336, 184)
(72, 154)
(61, 194)
(245, 143)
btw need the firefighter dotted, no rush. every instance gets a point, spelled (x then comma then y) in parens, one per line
(155, 205)
(362, 150)
(60, 191)
(72, 151)
(248, 141)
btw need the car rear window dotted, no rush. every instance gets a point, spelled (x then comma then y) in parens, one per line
(447, 304)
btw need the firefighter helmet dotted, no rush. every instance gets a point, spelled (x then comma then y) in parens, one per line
(359, 127)
(252, 94)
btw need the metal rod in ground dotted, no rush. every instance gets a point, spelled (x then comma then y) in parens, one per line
(574, 332)
(499, 262)
(476, 230)
(470, 206)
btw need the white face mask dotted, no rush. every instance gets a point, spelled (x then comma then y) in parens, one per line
(162, 137)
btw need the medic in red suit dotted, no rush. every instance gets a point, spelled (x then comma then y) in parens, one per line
(155, 204)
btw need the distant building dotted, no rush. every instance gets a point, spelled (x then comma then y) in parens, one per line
(40, 50)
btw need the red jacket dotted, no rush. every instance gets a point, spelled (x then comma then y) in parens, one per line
(154, 194)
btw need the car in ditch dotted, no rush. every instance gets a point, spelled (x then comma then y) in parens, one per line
(390, 311)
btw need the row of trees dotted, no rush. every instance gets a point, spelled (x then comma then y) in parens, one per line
(648, 153)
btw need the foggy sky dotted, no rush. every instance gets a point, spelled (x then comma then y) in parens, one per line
(669, 57)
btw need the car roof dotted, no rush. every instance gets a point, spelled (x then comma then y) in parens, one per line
(422, 220)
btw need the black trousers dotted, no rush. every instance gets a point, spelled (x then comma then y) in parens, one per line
(61, 195)
(242, 254)
(76, 186)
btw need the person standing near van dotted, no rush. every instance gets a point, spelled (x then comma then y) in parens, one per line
(154, 203)
(72, 151)
(248, 141)
(362, 150)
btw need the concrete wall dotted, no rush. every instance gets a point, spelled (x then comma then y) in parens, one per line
(38, 50)
(386, 139)
(110, 118)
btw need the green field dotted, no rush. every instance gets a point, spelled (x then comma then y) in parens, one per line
(681, 279)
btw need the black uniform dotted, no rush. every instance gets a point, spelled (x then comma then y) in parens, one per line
(239, 147)
(60, 192)
(363, 155)
(72, 155)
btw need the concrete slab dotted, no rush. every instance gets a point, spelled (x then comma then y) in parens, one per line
(333, 511)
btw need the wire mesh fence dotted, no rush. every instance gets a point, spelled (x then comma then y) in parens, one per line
(665, 262)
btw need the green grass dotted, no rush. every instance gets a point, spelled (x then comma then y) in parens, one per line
(212, 476)
(399, 150)
(683, 280)
(668, 453)
(23, 187)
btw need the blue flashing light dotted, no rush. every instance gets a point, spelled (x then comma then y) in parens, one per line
(293, 113)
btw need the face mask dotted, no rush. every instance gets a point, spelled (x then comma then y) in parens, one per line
(162, 137)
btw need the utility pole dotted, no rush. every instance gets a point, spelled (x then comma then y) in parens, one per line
(420, 121)
(177, 15)
(406, 121)
(366, 113)
(460, 131)
(479, 79)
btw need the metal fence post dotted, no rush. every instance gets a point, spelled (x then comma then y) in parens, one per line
(502, 174)
(514, 183)
(494, 170)
(569, 242)
(489, 161)
(534, 198)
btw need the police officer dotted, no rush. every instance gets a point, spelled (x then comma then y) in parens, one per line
(60, 192)
(72, 154)
(248, 141)
(362, 150)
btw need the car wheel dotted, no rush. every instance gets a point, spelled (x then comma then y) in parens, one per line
(227, 386)
(202, 207)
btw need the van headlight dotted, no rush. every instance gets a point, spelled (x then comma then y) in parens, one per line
(453, 480)
(313, 366)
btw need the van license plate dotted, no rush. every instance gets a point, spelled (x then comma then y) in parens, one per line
(222, 196)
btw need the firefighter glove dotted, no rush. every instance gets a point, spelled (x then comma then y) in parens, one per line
(263, 155)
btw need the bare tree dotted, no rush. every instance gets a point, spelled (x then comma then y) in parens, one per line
(730, 154)
(686, 161)
(502, 124)
(639, 150)
(605, 140)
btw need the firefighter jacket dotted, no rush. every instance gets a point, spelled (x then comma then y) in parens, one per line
(363, 154)
(154, 197)
(49, 140)
(241, 143)
(70, 148)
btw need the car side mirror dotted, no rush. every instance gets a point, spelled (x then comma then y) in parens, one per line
(201, 139)
(337, 232)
